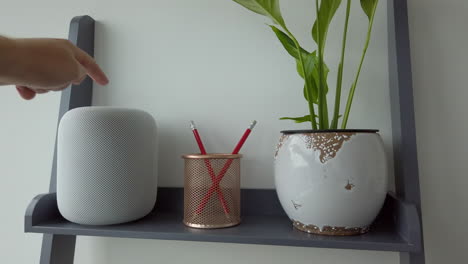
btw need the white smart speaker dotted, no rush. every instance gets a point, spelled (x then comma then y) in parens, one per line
(106, 165)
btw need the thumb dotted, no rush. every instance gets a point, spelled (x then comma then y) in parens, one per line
(25, 92)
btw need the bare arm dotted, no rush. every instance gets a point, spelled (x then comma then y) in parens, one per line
(42, 65)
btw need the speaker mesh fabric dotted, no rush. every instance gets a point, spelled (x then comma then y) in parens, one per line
(106, 165)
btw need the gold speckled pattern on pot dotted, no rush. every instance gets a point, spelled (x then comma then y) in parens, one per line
(327, 143)
(282, 139)
(331, 230)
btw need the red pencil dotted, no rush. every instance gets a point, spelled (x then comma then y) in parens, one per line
(223, 171)
(208, 166)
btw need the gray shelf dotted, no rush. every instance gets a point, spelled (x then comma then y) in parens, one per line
(263, 222)
(398, 227)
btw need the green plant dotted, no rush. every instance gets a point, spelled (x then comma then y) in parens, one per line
(310, 65)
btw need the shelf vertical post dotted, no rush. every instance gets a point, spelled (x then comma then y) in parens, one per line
(403, 121)
(60, 249)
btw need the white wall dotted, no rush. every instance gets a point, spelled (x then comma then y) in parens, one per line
(439, 40)
(218, 64)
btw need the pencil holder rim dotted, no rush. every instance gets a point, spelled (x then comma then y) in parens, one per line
(212, 156)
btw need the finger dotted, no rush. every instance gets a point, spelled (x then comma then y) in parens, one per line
(81, 78)
(91, 67)
(61, 88)
(41, 91)
(25, 92)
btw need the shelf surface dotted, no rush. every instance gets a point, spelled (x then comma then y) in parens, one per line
(394, 230)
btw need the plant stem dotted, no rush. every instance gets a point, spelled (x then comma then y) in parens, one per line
(339, 78)
(322, 103)
(301, 61)
(353, 87)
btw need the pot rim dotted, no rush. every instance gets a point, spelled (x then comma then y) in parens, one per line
(301, 131)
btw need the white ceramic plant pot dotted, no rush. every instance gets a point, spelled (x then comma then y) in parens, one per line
(331, 182)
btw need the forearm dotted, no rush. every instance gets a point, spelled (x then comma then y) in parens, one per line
(7, 61)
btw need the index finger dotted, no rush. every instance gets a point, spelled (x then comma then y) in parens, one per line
(91, 67)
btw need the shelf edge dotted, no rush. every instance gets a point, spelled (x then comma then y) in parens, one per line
(407, 220)
(403, 216)
(42, 207)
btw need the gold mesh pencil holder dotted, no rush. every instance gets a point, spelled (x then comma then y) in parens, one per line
(212, 190)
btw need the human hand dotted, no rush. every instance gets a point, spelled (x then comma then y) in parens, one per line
(40, 65)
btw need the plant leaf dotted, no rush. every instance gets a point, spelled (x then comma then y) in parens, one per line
(314, 93)
(368, 6)
(312, 75)
(310, 63)
(326, 12)
(288, 43)
(269, 8)
(310, 66)
(301, 119)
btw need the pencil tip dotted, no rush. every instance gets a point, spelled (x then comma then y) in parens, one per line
(252, 125)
